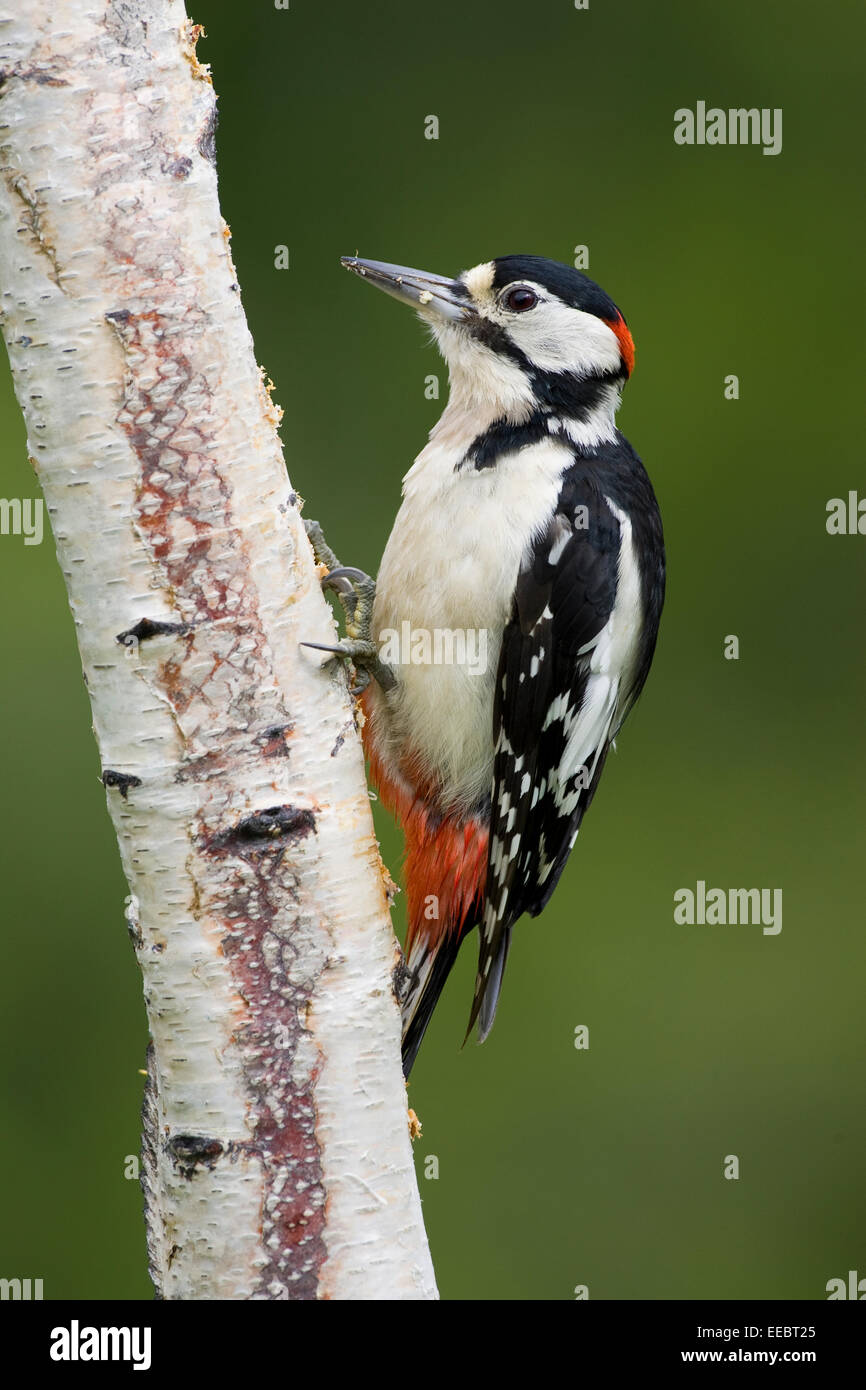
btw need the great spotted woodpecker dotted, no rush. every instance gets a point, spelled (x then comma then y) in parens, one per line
(527, 521)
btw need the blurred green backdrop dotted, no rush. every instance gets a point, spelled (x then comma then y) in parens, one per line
(557, 1167)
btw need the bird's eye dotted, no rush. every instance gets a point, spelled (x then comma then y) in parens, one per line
(520, 299)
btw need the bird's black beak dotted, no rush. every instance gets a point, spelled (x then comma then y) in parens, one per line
(432, 295)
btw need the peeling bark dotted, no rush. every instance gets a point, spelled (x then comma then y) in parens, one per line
(277, 1160)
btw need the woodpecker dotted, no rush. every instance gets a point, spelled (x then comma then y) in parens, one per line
(529, 521)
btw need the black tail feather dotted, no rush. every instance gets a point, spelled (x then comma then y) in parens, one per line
(492, 955)
(418, 1006)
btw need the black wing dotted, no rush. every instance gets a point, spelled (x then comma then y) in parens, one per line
(552, 718)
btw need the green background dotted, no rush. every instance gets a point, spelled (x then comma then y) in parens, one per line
(557, 1167)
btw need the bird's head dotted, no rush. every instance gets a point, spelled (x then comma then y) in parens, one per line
(520, 334)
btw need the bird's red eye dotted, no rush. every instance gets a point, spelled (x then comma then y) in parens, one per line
(520, 299)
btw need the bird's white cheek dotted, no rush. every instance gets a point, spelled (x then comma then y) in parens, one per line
(556, 338)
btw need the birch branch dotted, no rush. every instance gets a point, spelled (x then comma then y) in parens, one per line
(277, 1156)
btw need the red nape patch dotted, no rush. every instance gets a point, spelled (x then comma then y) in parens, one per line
(626, 342)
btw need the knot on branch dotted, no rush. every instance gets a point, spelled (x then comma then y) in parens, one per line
(121, 780)
(190, 1151)
(150, 627)
(277, 823)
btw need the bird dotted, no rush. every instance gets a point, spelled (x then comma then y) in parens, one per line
(530, 535)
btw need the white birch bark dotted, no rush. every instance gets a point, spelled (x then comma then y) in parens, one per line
(277, 1156)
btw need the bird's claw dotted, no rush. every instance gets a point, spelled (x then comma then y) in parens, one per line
(340, 579)
(365, 659)
(356, 592)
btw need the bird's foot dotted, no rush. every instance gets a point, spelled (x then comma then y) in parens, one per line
(356, 592)
(322, 551)
(365, 658)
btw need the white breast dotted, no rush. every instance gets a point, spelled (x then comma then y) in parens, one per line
(452, 562)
